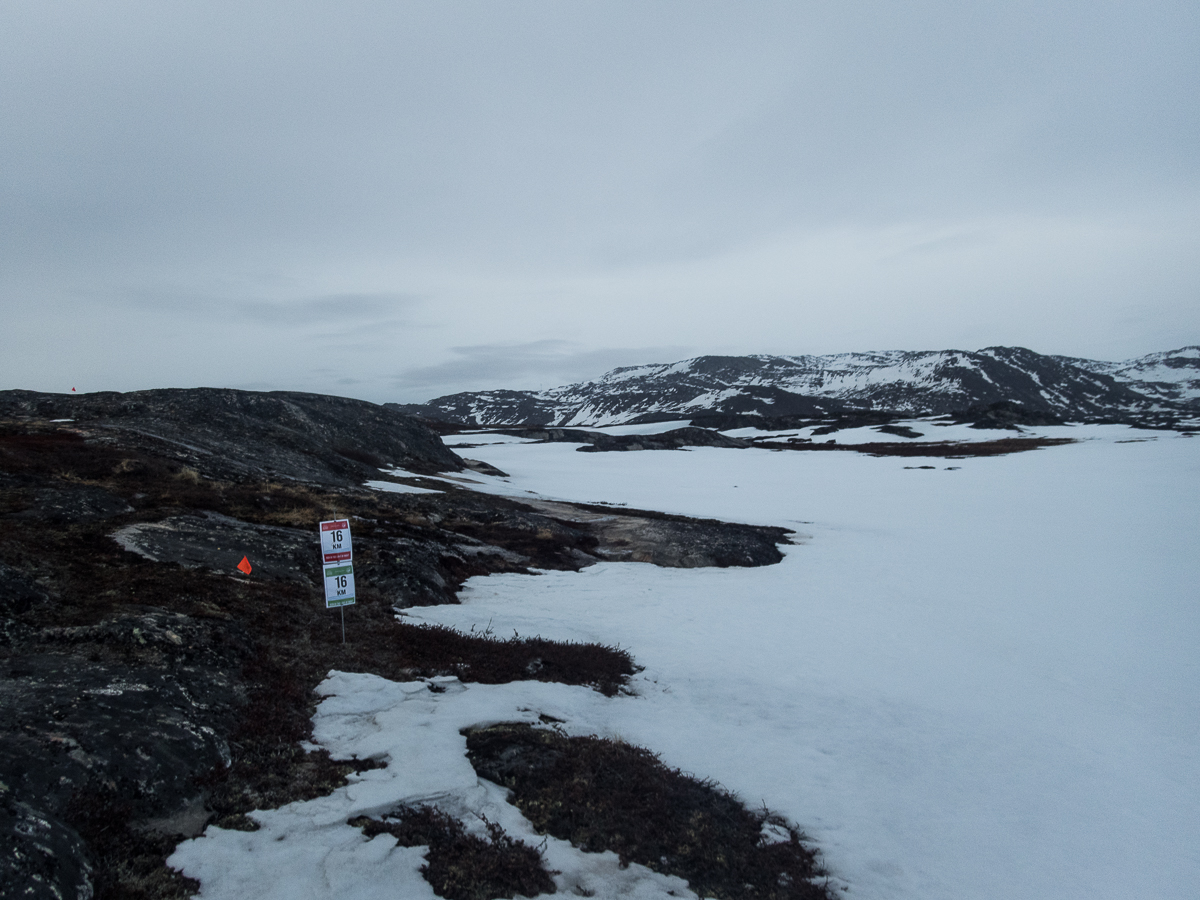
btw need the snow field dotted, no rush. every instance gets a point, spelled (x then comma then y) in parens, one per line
(960, 684)
(306, 850)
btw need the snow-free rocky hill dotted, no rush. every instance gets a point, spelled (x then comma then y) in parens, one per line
(904, 382)
(228, 433)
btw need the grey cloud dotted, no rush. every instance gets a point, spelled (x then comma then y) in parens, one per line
(527, 366)
(566, 132)
(346, 310)
(333, 308)
(157, 159)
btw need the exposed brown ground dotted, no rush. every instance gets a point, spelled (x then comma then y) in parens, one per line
(942, 449)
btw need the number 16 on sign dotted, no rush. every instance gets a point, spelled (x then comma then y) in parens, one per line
(335, 541)
(337, 555)
(339, 585)
(339, 590)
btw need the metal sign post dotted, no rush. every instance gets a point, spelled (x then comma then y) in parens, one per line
(337, 555)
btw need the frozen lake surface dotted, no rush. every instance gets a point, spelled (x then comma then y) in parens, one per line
(969, 682)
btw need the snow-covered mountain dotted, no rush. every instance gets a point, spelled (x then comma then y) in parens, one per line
(1173, 376)
(915, 383)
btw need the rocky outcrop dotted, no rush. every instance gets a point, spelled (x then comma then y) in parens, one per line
(673, 541)
(601, 442)
(121, 719)
(18, 594)
(41, 857)
(1005, 414)
(218, 542)
(487, 407)
(136, 701)
(224, 433)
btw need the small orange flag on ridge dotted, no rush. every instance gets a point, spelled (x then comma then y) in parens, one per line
(244, 565)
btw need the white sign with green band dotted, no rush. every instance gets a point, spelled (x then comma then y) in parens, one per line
(339, 585)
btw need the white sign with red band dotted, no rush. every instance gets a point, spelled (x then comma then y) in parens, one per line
(339, 585)
(335, 541)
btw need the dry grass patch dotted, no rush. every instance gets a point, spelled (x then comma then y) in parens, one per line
(601, 794)
(463, 866)
(945, 449)
(438, 650)
(127, 862)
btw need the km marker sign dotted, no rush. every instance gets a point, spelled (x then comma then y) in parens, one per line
(337, 562)
(335, 541)
(339, 586)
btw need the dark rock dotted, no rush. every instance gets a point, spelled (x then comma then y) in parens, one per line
(858, 420)
(729, 421)
(667, 440)
(66, 502)
(944, 449)
(903, 431)
(600, 442)
(41, 858)
(670, 541)
(137, 702)
(238, 434)
(1005, 414)
(217, 542)
(133, 708)
(478, 465)
(17, 593)
(410, 567)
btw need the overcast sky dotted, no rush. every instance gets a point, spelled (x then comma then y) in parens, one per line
(396, 200)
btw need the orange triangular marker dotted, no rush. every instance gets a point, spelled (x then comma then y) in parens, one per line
(245, 566)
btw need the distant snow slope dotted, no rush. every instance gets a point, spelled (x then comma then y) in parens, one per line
(1173, 375)
(918, 383)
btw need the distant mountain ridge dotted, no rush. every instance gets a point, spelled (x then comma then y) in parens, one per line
(905, 382)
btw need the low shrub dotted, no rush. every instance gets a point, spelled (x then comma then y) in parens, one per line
(463, 866)
(602, 794)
